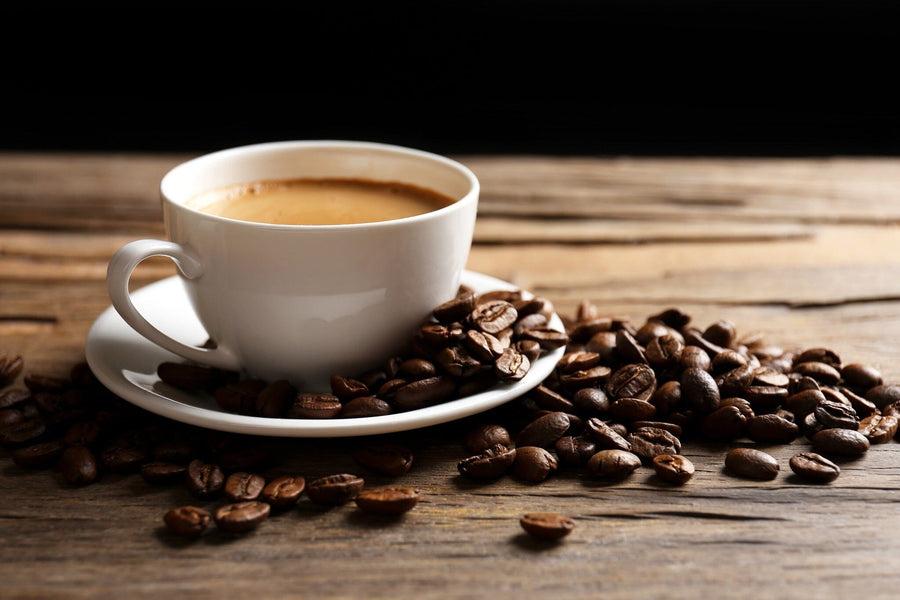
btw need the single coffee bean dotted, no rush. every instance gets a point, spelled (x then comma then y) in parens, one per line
(13, 397)
(667, 397)
(879, 429)
(823, 355)
(347, 388)
(530, 348)
(699, 390)
(483, 347)
(721, 333)
(628, 349)
(735, 381)
(414, 369)
(187, 521)
(769, 376)
(124, 457)
(38, 456)
(724, 424)
(882, 395)
(486, 436)
(163, 473)
(241, 517)
(242, 486)
(239, 397)
(814, 467)
(804, 402)
(589, 378)
(315, 406)
(78, 466)
(673, 468)
(694, 357)
(388, 500)
(551, 400)
(204, 480)
(365, 406)
(547, 526)
(764, 398)
(10, 368)
(24, 432)
(387, 459)
(864, 408)
(664, 352)
(771, 429)
(578, 360)
(189, 376)
(548, 337)
(512, 365)
(335, 489)
(83, 433)
(632, 409)
(591, 400)
(845, 442)
(181, 450)
(544, 431)
(648, 442)
(424, 392)
(274, 399)
(606, 437)
(832, 414)
(533, 464)
(283, 492)
(632, 381)
(574, 450)
(491, 463)
(672, 428)
(493, 316)
(458, 362)
(861, 376)
(613, 464)
(456, 309)
(822, 372)
(751, 463)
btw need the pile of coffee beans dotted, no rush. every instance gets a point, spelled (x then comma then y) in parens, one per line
(624, 396)
(468, 345)
(628, 395)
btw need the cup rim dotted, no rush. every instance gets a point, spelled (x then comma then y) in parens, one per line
(470, 196)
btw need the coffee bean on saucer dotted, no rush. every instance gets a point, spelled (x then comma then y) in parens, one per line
(388, 500)
(365, 406)
(547, 526)
(187, 521)
(315, 406)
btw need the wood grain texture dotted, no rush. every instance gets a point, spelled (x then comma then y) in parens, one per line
(805, 251)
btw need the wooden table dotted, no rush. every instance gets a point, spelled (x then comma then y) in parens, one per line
(805, 251)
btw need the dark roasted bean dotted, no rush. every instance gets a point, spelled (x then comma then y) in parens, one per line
(821, 372)
(648, 442)
(694, 357)
(673, 468)
(574, 450)
(242, 486)
(551, 400)
(613, 464)
(486, 436)
(882, 395)
(274, 399)
(239, 397)
(512, 365)
(10, 368)
(484, 347)
(488, 464)
(241, 517)
(804, 402)
(533, 464)
(667, 397)
(724, 424)
(544, 431)
(814, 467)
(699, 391)
(315, 406)
(163, 473)
(187, 521)
(424, 392)
(388, 500)
(771, 428)
(672, 428)
(751, 463)
(492, 316)
(721, 333)
(38, 456)
(832, 414)
(879, 429)
(189, 376)
(861, 376)
(664, 352)
(628, 349)
(204, 480)
(392, 460)
(632, 381)
(283, 492)
(12, 397)
(456, 309)
(605, 436)
(335, 489)
(823, 355)
(365, 406)
(548, 337)
(547, 526)
(632, 409)
(78, 466)
(591, 400)
(845, 442)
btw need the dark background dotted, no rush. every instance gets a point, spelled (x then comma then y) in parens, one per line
(550, 77)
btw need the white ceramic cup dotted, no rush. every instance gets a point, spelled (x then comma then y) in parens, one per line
(304, 302)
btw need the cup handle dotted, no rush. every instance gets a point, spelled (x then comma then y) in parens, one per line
(118, 275)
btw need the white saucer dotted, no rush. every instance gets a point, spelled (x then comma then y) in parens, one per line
(126, 363)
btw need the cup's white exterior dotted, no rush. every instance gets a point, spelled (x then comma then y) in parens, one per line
(306, 302)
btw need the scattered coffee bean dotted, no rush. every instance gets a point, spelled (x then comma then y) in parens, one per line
(544, 431)
(204, 480)
(613, 464)
(486, 436)
(283, 492)
(163, 473)
(78, 466)
(673, 468)
(547, 526)
(879, 429)
(751, 463)
(335, 489)
(242, 487)
(488, 464)
(386, 459)
(241, 517)
(814, 467)
(187, 521)
(388, 500)
(844, 442)
(533, 464)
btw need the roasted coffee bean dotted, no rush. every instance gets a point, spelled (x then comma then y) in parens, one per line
(810, 425)
(632, 409)
(532, 321)
(727, 360)
(821, 372)
(424, 392)
(241, 517)
(414, 369)
(672, 317)
(822, 355)
(648, 442)
(814, 467)
(892, 410)
(39, 382)
(242, 486)
(721, 333)
(532, 306)
(574, 450)
(650, 331)
(38, 456)
(78, 466)
(724, 424)
(440, 336)
(694, 357)
(456, 309)
(863, 407)
(456, 361)
(163, 473)
(844, 442)
(580, 360)
(605, 436)
(739, 403)
(239, 397)
(335, 489)
(632, 381)
(388, 500)
(673, 468)
(13, 397)
(204, 480)
(591, 401)
(533, 464)
(832, 414)
(771, 429)
(544, 431)
(751, 463)
(699, 391)
(10, 368)
(667, 397)
(124, 456)
(613, 464)
(882, 395)
(283, 492)
(84, 433)
(861, 376)
(547, 526)
(592, 377)
(551, 400)
(604, 344)
(530, 348)
(315, 406)
(879, 429)
(768, 376)
(274, 399)
(189, 376)
(549, 338)
(804, 402)
(628, 349)
(486, 436)
(672, 428)
(512, 365)
(664, 352)
(389, 388)
(693, 337)
(492, 316)
(365, 406)
(392, 460)
(488, 464)
(765, 398)
(187, 521)
(180, 450)
(484, 347)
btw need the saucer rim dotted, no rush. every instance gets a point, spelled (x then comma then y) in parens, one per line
(109, 329)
